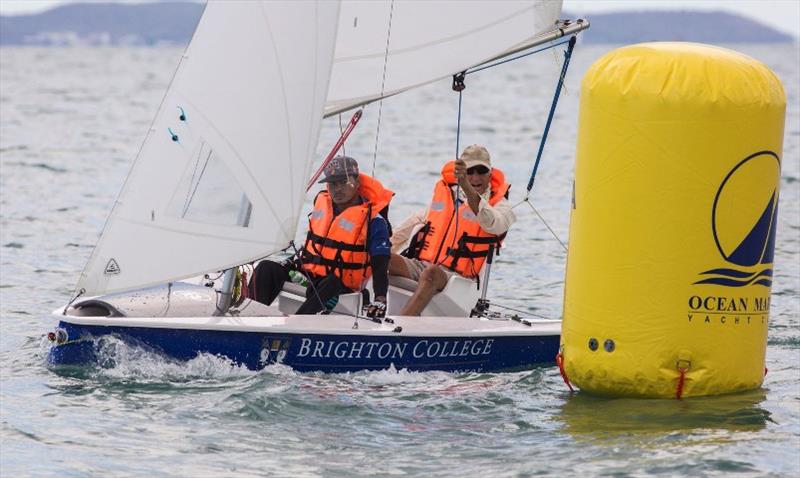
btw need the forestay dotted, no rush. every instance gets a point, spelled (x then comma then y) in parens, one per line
(251, 87)
(427, 41)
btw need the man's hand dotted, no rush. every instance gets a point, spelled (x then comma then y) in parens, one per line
(377, 309)
(473, 198)
(461, 174)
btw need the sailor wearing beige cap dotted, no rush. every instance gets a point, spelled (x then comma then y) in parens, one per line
(453, 236)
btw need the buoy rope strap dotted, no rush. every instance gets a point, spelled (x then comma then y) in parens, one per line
(682, 366)
(560, 362)
(559, 86)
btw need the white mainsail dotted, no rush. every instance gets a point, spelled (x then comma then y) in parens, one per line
(427, 41)
(252, 88)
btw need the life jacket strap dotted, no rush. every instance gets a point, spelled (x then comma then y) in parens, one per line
(342, 246)
(331, 263)
(417, 243)
(463, 251)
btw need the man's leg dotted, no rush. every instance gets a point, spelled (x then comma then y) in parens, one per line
(432, 280)
(268, 279)
(319, 293)
(398, 267)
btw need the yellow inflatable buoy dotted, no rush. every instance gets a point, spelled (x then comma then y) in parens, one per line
(673, 223)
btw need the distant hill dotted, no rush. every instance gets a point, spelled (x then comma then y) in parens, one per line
(695, 26)
(104, 24)
(173, 23)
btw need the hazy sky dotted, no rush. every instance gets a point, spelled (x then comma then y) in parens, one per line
(783, 15)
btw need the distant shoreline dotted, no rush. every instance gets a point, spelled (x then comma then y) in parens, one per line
(172, 24)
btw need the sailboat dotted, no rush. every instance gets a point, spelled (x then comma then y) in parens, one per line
(221, 178)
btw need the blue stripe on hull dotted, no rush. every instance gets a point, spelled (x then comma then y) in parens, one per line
(320, 352)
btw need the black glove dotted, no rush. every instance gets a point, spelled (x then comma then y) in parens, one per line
(377, 309)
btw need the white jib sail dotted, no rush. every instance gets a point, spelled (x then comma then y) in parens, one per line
(427, 41)
(252, 87)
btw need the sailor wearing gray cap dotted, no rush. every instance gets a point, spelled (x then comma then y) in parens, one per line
(340, 168)
(346, 244)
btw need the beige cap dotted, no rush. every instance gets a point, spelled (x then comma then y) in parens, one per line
(475, 155)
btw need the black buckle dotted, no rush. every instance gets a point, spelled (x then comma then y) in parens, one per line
(458, 81)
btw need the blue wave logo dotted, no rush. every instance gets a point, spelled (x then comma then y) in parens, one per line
(747, 246)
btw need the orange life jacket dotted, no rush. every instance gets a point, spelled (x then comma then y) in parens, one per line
(435, 241)
(338, 244)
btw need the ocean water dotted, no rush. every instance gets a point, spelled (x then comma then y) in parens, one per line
(71, 120)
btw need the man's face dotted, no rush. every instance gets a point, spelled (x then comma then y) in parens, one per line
(479, 178)
(343, 191)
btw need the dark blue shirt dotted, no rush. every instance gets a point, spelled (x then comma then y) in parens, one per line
(378, 240)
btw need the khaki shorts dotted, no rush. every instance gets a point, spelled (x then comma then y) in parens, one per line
(416, 266)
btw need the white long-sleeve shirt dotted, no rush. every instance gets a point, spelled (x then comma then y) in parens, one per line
(495, 219)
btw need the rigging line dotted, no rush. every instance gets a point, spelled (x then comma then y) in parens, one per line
(506, 60)
(556, 60)
(458, 186)
(526, 312)
(567, 56)
(383, 86)
(541, 218)
(310, 281)
(458, 124)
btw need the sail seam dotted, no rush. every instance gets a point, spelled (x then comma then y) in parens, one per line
(285, 112)
(512, 16)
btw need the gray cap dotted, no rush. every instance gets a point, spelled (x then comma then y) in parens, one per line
(340, 168)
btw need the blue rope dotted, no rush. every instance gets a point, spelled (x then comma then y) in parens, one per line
(458, 125)
(567, 56)
(458, 186)
(552, 45)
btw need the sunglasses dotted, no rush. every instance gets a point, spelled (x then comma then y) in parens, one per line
(477, 170)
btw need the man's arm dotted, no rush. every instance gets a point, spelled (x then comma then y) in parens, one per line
(496, 219)
(379, 251)
(402, 233)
